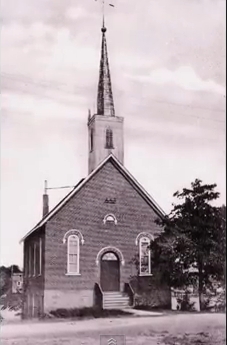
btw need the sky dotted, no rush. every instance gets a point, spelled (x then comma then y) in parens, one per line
(167, 61)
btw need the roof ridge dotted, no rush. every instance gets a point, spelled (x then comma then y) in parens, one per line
(126, 173)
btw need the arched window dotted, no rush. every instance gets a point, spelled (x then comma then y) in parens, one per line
(113, 250)
(110, 219)
(144, 256)
(73, 254)
(109, 256)
(109, 138)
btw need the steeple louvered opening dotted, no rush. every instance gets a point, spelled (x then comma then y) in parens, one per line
(91, 143)
(109, 139)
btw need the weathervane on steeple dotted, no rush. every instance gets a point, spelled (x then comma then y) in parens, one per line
(105, 103)
(103, 5)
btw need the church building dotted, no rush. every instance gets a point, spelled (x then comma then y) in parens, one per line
(92, 248)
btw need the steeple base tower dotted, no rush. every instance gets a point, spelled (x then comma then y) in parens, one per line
(105, 130)
(105, 137)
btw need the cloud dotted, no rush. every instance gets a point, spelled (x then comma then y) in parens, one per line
(77, 13)
(68, 53)
(42, 108)
(50, 57)
(184, 77)
(32, 10)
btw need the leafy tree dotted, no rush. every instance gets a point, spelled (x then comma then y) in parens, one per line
(193, 237)
(5, 277)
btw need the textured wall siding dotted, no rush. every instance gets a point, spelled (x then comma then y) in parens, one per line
(33, 285)
(85, 212)
(67, 299)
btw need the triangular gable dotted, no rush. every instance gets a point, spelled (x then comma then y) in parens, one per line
(80, 185)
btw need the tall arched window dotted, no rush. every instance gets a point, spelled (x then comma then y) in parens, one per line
(109, 138)
(145, 256)
(73, 254)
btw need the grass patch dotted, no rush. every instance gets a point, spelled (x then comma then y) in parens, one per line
(194, 339)
(87, 313)
(150, 308)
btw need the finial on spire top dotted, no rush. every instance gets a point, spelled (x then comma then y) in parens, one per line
(103, 29)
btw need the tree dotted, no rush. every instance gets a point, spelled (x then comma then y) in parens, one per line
(5, 277)
(193, 237)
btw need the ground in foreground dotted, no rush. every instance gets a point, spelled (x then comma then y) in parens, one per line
(180, 329)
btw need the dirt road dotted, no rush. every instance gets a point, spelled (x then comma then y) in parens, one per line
(180, 329)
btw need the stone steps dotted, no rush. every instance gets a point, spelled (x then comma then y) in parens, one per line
(115, 300)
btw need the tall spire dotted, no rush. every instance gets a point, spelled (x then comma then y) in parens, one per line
(105, 103)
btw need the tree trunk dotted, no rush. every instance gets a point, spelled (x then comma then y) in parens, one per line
(201, 287)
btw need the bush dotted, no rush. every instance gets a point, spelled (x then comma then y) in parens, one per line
(185, 304)
(153, 299)
(215, 302)
(86, 313)
(220, 304)
(12, 301)
(151, 308)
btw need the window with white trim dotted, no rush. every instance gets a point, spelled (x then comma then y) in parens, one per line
(29, 260)
(40, 256)
(34, 260)
(33, 304)
(144, 256)
(73, 254)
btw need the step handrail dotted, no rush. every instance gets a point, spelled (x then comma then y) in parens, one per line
(98, 296)
(130, 292)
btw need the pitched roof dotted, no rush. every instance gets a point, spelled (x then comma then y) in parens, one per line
(111, 158)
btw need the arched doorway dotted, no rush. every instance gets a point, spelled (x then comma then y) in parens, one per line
(110, 272)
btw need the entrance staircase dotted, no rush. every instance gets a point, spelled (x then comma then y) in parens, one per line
(115, 300)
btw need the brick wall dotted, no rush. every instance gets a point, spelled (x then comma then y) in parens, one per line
(67, 299)
(33, 276)
(85, 212)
